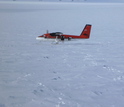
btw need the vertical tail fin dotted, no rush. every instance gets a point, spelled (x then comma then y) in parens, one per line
(86, 32)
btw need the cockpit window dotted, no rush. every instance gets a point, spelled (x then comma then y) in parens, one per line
(56, 34)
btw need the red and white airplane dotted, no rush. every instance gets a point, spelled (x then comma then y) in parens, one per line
(85, 34)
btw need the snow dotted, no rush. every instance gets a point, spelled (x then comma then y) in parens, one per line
(77, 73)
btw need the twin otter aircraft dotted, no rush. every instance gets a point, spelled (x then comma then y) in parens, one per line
(85, 34)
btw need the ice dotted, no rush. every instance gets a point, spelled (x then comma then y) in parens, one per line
(76, 73)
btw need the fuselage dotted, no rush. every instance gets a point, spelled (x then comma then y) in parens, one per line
(85, 34)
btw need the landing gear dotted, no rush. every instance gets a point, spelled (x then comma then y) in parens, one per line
(62, 38)
(56, 40)
(69, 38)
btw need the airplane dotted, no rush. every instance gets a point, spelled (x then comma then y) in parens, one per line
(85, 34)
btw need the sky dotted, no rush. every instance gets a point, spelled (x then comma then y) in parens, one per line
(71, 0)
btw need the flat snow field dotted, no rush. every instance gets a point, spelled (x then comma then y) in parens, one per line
(77, 73)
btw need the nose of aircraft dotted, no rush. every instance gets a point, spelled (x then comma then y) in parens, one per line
(41, 36)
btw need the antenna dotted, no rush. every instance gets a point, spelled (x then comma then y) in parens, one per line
(47, 31)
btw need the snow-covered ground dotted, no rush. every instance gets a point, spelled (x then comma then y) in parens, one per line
(77, 73)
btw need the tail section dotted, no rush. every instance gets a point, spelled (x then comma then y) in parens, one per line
(86, 32)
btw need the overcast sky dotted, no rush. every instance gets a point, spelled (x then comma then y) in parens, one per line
(72, 0)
